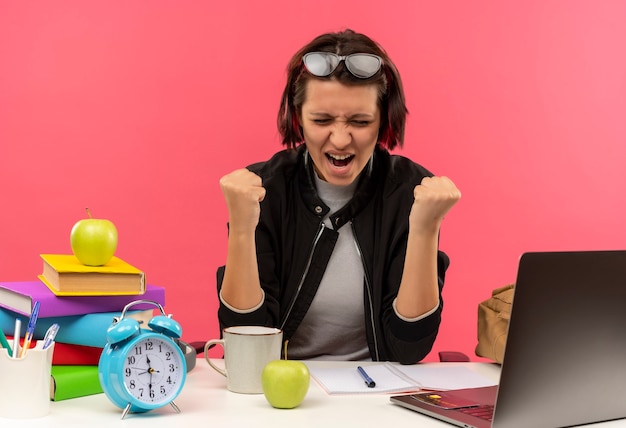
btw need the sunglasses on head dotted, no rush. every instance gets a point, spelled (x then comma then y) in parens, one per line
(361, 65)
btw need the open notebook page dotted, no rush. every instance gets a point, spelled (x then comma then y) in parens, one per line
(396, 378)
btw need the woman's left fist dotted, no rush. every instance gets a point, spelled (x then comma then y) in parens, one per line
(434, 197)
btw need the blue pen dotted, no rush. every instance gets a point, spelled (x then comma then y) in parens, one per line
(368, 380)
(32, 322)
(48, 339)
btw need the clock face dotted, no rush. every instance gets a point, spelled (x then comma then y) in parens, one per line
(153, 370)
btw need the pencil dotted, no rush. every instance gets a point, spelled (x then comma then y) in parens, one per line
(16, 337)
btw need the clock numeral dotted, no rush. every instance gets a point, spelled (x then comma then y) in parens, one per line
(138, 350)
(172, 368)
(169, 380)
(127, 371)
(131, 384)
(140, 392)
(162, 389)
(168, 356)
(149, 346)
(131, 359)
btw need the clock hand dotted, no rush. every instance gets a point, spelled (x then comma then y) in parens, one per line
(139, 368)
(150, 370)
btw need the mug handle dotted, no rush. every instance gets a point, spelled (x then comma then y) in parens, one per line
(208, 346)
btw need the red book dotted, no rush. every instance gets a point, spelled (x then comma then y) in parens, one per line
(67, 354)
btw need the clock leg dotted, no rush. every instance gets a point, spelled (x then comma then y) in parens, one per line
(126, 410)
(175, 407)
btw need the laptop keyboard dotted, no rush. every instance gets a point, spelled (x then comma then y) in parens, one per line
(483, 412)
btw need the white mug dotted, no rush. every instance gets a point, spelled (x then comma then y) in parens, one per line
(247, 349)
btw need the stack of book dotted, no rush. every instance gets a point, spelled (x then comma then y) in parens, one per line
(83, 301)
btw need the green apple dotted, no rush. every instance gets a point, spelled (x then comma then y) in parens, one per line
(285, 383)
(93, 241)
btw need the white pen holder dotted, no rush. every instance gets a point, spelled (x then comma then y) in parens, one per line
(25, 389)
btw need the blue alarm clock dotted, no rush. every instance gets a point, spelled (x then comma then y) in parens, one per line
(141, 369)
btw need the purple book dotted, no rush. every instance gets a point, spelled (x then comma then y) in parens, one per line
(21, 296)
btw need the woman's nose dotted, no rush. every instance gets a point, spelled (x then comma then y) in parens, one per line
(340, 135)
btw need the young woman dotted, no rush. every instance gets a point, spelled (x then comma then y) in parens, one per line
(334, 240)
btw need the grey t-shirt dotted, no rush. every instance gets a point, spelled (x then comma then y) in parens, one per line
(334, 326)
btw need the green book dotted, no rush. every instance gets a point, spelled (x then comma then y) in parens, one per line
(73, 381)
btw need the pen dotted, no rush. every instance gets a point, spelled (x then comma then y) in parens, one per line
(368, 380)
(32, 321)
(50, 335)
(16, 337)
(5, 343)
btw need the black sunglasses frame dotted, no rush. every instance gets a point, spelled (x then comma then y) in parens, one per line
(347, 59)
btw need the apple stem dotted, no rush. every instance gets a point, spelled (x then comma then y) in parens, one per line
(88, 212)
(285, 348)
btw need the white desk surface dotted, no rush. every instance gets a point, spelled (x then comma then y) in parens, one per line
(205, 402)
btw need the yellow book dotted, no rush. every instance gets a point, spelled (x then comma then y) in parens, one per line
(66, 276)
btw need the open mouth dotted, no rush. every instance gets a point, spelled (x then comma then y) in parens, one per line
(339, 160)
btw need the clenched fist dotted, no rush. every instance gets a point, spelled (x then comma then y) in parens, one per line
(243, 191)
(434, 197)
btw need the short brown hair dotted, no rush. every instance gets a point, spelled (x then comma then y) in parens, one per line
(391, 102)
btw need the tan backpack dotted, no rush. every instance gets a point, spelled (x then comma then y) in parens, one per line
(493, 323)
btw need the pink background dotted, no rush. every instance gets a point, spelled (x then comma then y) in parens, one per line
(135, 109)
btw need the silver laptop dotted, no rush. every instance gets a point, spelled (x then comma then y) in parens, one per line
(565, 356)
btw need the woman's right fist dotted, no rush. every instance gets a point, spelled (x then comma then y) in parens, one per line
(243, 191)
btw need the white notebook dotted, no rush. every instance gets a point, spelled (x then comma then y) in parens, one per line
(397, 378)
